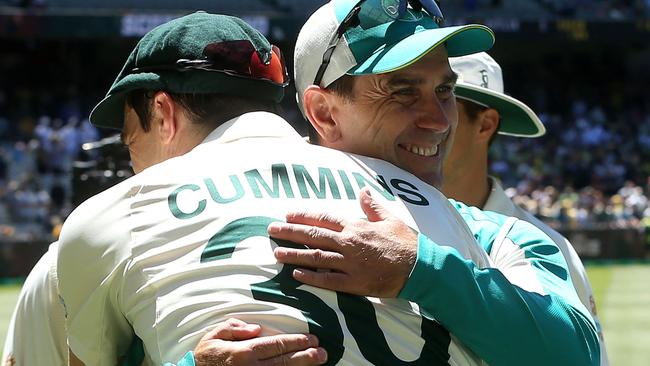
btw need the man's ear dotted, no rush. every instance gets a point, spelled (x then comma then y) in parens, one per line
(489, 123)
(164, 116)
(318, 104)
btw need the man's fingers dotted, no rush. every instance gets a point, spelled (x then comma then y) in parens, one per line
(373, 210)
(277, 345)
(247, 332)
(313, 258)
(319, 219)
(233, 330)
(308, 357)
(328, 280)
(312, 236)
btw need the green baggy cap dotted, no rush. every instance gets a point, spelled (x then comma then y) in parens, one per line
(184, 38)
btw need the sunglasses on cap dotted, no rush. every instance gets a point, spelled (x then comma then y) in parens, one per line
(235, 58)
(367, 15)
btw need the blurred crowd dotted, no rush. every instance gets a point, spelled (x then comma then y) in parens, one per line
(610, 9)
(590, 170)
(581, 9)
(36, 159)
(521, 9)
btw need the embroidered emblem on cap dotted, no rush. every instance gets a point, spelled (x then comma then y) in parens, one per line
(484, 78)
(390, 8)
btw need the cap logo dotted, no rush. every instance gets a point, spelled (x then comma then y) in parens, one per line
(484, 78)
(390, 8)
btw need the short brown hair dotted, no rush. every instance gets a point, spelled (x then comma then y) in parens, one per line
(200, 108)
(472, 110)
(343, 87)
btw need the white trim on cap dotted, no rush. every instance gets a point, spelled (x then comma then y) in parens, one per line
(473, 101)
(312, 41)
(541, 130)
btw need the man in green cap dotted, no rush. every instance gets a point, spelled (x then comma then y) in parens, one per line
(183, 245)
(259, 78)
(183, 79)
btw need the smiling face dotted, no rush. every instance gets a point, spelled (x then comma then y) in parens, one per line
(406, 117)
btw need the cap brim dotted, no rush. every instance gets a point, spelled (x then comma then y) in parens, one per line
(517, 119)
(109, 113)
(459, 40)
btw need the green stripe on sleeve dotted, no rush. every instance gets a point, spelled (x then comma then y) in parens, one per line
(499, 321)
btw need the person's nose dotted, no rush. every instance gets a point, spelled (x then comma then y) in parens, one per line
(432, 115)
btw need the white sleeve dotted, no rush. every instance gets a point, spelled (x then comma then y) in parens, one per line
(36, 334)
(585, 293)
(94, 250)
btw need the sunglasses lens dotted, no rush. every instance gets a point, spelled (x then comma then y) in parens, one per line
(241, 58)
(230, 55)
(278, 69)
(432, 8)
(273, 70)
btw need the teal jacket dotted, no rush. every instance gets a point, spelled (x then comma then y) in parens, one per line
(524, 311)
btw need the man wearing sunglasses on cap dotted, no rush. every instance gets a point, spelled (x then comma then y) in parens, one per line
(183, 244)
(194, 82)
(385, 89)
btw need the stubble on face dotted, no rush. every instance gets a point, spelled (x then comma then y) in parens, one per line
(405, 117)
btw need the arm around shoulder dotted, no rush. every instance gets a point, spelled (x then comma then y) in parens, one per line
(500, 320)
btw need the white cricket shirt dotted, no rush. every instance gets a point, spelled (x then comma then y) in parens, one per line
(182, 246)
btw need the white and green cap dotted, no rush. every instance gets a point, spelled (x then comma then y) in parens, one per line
(374, 49)
(480, 80)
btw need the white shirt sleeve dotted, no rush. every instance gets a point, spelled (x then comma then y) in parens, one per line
(94, 250)
(585, 293)
(39, 318)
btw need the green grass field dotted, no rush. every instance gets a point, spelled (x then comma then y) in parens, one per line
(622, 293)
(8, 298)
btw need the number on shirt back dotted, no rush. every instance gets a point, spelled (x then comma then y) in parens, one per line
(322, 320)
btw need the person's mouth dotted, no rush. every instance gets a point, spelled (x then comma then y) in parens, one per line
(427, 151)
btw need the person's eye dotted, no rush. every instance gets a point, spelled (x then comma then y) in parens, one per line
(445, 91)
(404, 92)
